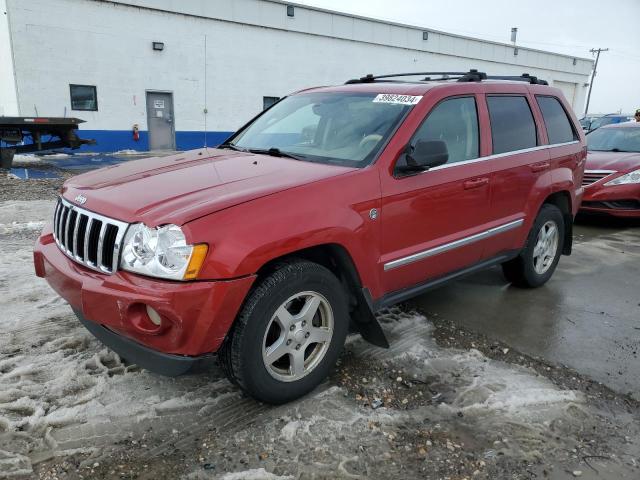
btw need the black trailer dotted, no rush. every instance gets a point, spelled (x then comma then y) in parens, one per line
(36, 134)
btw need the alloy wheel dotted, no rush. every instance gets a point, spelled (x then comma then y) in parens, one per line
(544, 252)
(298, 336)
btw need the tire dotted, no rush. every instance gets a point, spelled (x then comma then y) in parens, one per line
(260, 353)
(535, 265)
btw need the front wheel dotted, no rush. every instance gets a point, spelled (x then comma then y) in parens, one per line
(539, 258)
(289, 333)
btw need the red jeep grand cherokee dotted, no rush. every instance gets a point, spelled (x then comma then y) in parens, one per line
(329, 206)
(612, 177)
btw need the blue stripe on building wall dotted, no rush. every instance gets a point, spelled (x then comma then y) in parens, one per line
(114, 140)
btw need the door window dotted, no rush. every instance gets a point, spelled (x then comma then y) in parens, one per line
(455, 122)
(512, 124)
(557, 123)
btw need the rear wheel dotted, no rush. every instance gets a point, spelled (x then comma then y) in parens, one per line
(538, 260)
(289, 333)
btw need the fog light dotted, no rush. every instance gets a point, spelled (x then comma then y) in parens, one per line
(154, 316)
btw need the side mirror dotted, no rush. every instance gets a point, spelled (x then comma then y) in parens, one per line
(425, 155)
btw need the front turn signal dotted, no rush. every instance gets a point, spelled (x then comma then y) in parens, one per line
(195, 263)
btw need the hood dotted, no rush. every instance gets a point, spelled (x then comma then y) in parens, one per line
(617, 161)
(183, 187)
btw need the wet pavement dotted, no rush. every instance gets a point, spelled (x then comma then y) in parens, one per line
(587, 317)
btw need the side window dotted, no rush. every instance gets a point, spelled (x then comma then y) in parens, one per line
(454, 121)
(558, 125)
(512, 124)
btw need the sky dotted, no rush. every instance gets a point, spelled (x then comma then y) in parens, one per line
(565, 26)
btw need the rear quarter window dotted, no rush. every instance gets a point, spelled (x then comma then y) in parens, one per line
(512, 124)
(556, 120)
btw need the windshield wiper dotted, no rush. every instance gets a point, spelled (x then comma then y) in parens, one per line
(231, 146)
(276, 152)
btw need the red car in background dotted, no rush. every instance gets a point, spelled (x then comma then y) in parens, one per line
(612, 175)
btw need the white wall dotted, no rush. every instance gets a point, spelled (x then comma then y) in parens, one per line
(108, 44)
(8, 98)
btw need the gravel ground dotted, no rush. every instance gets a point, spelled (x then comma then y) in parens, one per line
(441, 403)
(12, 188)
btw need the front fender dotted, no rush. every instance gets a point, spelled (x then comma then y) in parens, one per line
(243, 238)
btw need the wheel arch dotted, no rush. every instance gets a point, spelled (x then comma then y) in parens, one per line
(337, 259)
(562, 200)
(332, 256)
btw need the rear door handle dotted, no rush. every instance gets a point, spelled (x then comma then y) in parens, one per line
(475, 183)
(540, 167)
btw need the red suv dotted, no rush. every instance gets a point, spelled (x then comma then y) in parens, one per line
(330, 205)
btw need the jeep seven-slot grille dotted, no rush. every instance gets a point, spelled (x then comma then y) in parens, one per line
(88, 238)
(593, 176)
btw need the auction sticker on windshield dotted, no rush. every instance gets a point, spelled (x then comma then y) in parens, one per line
(398, 99)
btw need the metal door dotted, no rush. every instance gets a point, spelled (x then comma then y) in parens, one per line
(160, 121)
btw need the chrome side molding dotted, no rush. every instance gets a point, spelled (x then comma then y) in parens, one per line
(452, 245)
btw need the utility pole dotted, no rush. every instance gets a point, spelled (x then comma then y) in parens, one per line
(597, 51)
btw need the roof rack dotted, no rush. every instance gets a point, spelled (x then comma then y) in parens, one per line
(472, 75)
(525, 77)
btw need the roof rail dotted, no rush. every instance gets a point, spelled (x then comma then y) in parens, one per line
(370, 78)
(472, 75)
(525, 77)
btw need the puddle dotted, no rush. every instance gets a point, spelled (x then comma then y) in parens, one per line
(33, 173)
(90, 162)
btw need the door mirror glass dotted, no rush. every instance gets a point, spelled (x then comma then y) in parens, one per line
(427, 154)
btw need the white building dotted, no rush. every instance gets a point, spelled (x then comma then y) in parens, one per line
(194, 66)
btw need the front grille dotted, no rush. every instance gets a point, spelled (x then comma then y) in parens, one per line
(593, 176)
(88, 238)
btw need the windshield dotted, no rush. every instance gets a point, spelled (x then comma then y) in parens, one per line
(602, 121)
(616, 139)
(343, 128)
(585, 122)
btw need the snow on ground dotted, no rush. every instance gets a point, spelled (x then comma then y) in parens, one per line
(127, 152)
(61, 391)
(21, 216)
(27, 158)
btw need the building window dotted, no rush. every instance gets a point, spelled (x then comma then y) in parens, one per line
(267, 102)
(291, 11)
(425, 35)
(84, 97)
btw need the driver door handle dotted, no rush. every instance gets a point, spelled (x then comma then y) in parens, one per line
(475, 183)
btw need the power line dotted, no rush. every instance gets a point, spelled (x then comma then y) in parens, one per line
(597, 51)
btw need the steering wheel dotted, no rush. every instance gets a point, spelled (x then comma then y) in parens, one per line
(370, 139)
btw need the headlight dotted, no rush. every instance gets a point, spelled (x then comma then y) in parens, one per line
(161, 252)
(631, 177)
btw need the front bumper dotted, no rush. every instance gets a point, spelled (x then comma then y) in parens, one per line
(617, 200)
(152, 360)
(196, 316)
